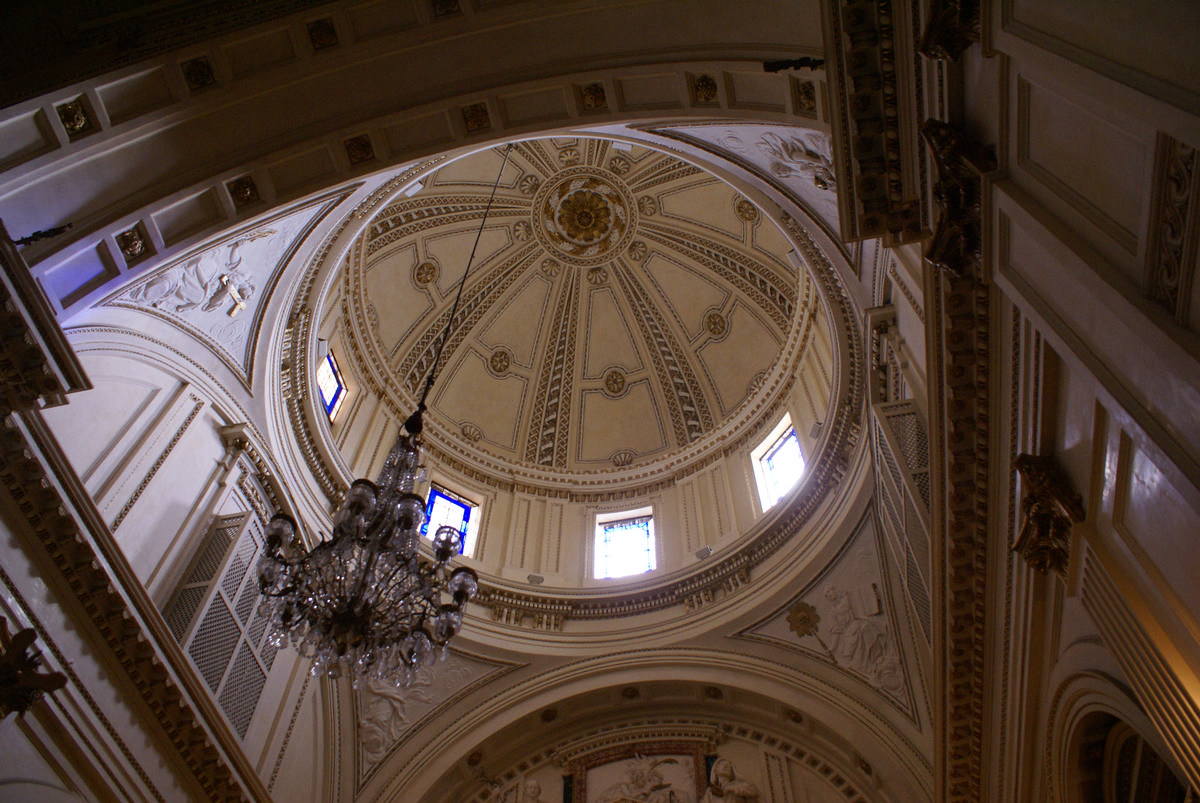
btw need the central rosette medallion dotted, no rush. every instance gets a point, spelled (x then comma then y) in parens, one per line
(584, 215)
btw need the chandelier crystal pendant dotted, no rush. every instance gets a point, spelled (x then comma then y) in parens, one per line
(367, 603)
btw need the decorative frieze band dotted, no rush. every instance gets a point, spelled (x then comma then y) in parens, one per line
(1174, 228)
(874, 83)
(960, 380)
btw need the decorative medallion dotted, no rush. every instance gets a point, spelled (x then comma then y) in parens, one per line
(132, 243)
(597, 276)
(500, 361)
(198, 73)
(716, 324)
(614, 381)
(619, 165)
(475, 117)
(359, 149)
(528, 184)
(706, 89)
(746, 210)
(522, 231)
(647, 206)
(243, 191)
(583, 215)
(594, 97)
(74, 117)
(569, 157)
(638, 251)
(551, 267)
(425, 273)
(622, 458)
(322, 34)
(806, 97)
(472, 432)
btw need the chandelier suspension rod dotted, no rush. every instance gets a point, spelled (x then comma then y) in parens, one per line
(462, 282)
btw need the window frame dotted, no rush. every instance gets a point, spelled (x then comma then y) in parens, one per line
(769, 492)
(603, 521)
(332, 405)
(470, 531)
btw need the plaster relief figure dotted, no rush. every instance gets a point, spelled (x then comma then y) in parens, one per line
(533, 792)
(725, 787)
(383, 714)
(644, 783)
(205, 282)
(859, 638)
(804, 155)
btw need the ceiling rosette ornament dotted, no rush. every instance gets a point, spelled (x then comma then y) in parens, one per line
(584, 216)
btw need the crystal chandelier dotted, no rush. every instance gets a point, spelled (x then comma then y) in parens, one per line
(367, 603)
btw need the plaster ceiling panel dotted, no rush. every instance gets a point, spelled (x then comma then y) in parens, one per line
(609, 337)
(477, 170)
(688, 290)
(396, 297)
(706, 203)
(215, 293)
(517, 323)
(473, 381)
(610, 426)
(451, 250)
(386, 714)
(768, 239)
(729, 358)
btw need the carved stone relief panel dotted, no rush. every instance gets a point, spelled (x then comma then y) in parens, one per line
(797, 158)
(843, 618)
(386, 712)
(215, 293)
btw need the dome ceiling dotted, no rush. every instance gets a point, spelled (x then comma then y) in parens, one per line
(622, 304)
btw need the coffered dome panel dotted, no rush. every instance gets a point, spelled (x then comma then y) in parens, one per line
(620, 302)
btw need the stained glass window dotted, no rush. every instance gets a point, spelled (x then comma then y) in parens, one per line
(624, 546)
(447, 509)
(330, 385)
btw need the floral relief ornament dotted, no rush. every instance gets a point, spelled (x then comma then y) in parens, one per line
(584, 216)
(804, 620)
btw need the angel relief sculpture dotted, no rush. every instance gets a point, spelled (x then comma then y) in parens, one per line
(805, 155)
(645, 783)
(209, 281)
